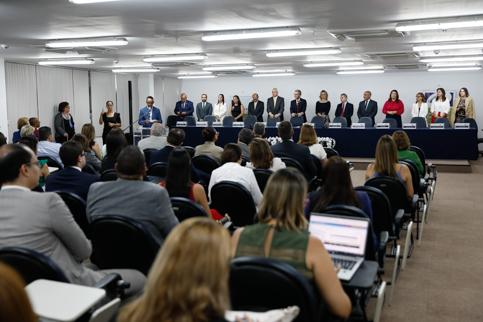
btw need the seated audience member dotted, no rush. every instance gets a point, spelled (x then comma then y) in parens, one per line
(231, 170)
(71, 178)
(287, 148)
(3, 139)
(282, 230)
(245, 137)
(35, 123)
(308, 137)
(337, 189)
(91, 157)
(209, 148)
(42, 222)
(27, 130)
(156, 140)
(402, 143)
(259, 129)
(387, 164)
(90, 133)
(20, 123)
(116, 142)
(118, 197)
(32, 143)
(14, 302)
(47, 148)
(261, 157)
(203, 294)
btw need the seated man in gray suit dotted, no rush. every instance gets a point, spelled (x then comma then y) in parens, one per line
(130, 196)
(156, 140)
(245, 137)
(204, 108)
(42, 222)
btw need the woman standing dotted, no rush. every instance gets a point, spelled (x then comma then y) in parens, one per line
(110, 119)
(237, 109)
(220, 108)
(394, 107)
(420, 108)
(322, 107)
(440, 106)
(465, 108)
(64, 124)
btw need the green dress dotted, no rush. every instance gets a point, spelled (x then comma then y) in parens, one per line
(411, 155)
(41, 179)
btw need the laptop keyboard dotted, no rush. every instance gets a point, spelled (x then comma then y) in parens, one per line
(344, 263)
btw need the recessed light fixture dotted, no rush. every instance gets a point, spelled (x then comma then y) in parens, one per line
(194, 73)
(87, 42)
(175, 57)
(273, 71)
(251, 34)
(446, 46)
(56, 62)
(343, 72)
(336, 63)
(273, 74)
(227, 67)
(449, 64)
(135, 70)
(449, 69)
(196, 76)
(441, 24)
(89, 1)
(363, 67)
(304, 52)
(451, 59)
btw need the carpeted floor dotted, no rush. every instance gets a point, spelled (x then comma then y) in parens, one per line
(443, 279)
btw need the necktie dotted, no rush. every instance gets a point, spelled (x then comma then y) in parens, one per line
(204, 105)
(255, 106)
(367, 102)
(297, 106)
(274, 102)
(342, 112)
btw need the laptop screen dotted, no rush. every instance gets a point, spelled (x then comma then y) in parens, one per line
(340, 234)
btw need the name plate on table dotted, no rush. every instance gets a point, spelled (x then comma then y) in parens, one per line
(217, 124)
(437, 126)
(358, 126)
(201, 124)
(277, 124)
(311, 124)
(238, 124)
(181, 123)
(409, 126)
(264, 123)
(383, 125)
(460, 126)
(335, 125)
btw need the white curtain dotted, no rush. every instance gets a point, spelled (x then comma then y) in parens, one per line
(172, 91)
(103, 89)
(158, 96)
(80, 79)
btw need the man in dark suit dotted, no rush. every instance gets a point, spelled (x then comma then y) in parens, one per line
(345, 109)
(256, 108)
(71, 178)
(183, 108)
(275, 105)
(298, 106)
(203, 108)
(367, 107)
(289, 149)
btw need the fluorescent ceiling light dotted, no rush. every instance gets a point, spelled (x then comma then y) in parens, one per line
(446, 46)
(449, 64)
(451, 59)
(273, 74)
(136, 70)
(360, 72)
(228, 67)
(340, 63)
(87, 42)
(363, 67)
(176, 57)
(194, 73)
(366, 33)
(89, 1)
(251, 33)
(304, 52)
(273, 71)
(133, 66)
(196, 76)
(66, 62)
(449, 69)
(441, 24)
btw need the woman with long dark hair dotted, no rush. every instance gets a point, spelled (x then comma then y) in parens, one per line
(237, 109)
(440, 106)
(394, 107)
(220, 108)
(116, 142)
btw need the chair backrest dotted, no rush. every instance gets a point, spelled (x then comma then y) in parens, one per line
(262, 176)
(290, 162)
(367, 121)
(158, 169)
(262, 284)
(77, 207)
(232, 198)
(297, 120)
(185, 208)
(190, 150)
(228, 121)
(341, 120)
(419, 121)
(472, 122)
(171, 121)
(105, 312)
(147, 154)
(319, 121)
(393, 188)
(109, 175)
(331, 152)
(51, 162)
(318, 165)
(190, 120)
(210, 119)
(381, 210)
(205, 163)
(392, 122)
(413, 168)
(244, 161)
(31, 265)
(122, 242)
(444, 121)
(89, 168)
(420, 153)
(273, 122)
(250, 120)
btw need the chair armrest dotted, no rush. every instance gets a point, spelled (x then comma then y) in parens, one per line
(426, 177)
(381, 254)
(113, 284)
(399, 217)
(414, 202)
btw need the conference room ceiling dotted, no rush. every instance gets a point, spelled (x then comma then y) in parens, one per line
(175, 27)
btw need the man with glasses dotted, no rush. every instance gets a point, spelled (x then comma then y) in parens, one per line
(71, 178)
(149, 114)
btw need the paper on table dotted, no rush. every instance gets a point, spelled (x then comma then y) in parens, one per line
(280, 315)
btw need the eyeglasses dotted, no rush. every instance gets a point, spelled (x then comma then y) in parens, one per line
(218, 133)
(83, 155)
(38, 164)
(109, 105)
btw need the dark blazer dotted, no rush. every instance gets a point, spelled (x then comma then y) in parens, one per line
(202, 112)
(302, 108)
(371, 110)
(163, 156)
(301, 153)
(156, 116)
(276, 109)
(71, 180)
(258, 112)
(188, 108)
(348, 111)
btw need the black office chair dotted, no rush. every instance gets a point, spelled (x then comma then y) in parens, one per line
(109, 175)
(244, 161)
(319, 121)
(420, 122)
(51, 162)
(297, 121)
(232, 198)
(341, 120)
(89, 168)
(430, 168)
(290, 162)
(318, 165)
(367, 121)
(190, 120)
(158, 169)
(444, 121)
(331, 152)
(205, 163)
(228, 121)
(473, 123)
(147, 154)
(190, 150)
(171, 121)
(263, 284)
(250, 120)
(77, 207)
(210, 119)
(122, 242)
(185, 208)
(273, 122)
(392, 122)
(262, 176)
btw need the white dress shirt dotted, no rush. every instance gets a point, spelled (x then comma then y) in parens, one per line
(416, 112)
(440, 107)
(232, 171)
(318, 150)
(277, 165)
(220, 110)
(49, 149)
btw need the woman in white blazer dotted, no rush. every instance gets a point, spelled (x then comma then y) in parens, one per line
(220, 109)
(420, 108)
(440, 106)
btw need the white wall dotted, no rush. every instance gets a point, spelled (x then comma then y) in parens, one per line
(407, 83)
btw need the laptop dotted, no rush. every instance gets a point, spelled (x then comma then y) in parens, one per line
(344, 238)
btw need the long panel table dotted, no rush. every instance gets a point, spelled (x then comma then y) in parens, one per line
(449, 143)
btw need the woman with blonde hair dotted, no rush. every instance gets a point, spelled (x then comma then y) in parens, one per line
(261, 156)
(90, 133)
(308, 137)
(20, 123)
(281, 235)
